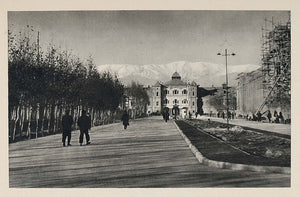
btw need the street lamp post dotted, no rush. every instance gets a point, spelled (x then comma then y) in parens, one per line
(227, 106)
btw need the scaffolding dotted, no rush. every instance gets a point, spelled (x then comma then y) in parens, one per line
(276, 63)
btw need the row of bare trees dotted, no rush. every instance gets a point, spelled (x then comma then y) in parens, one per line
(43, 84)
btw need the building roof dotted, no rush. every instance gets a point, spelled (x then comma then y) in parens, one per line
(175, 82)
(176, 75)
(194, 83)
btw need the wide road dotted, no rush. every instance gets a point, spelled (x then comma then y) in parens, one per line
(150, 153)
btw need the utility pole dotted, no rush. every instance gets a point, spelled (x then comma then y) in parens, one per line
(227, 104)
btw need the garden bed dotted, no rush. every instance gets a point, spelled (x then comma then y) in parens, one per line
(262, 148)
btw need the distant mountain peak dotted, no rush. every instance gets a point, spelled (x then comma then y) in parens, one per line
(203, 73)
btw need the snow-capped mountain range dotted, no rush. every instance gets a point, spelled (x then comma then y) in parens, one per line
(203, 73)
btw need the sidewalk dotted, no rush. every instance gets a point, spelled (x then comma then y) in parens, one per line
(272, 127)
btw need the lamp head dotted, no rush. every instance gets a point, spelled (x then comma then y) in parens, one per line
(218, 53)
(233, 54)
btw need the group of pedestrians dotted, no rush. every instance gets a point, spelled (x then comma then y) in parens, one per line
(84, 124)
(276, 118)
(230, 115)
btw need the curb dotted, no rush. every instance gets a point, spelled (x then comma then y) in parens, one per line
(227, 165)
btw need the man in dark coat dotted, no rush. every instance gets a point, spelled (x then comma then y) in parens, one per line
(269, 115)
(164, 115)
(223, 115)
(167, 115)
(259, 116)
(84, 123)
(66, 122)
(280, 117)
(125, 119)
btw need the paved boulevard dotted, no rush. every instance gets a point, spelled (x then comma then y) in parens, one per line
(150, 153)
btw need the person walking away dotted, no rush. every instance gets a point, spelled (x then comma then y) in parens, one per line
(223, 115)
(275, 116)
(276, 119)
(167, 116)
(84, 123)
(66, 122)
(125, 119)
(229, 115)
(280, 116)
(164, 115)
(269, 116)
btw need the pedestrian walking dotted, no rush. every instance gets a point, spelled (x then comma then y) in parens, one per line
(125, 119)
(276, 117)
(66, 122)
(167, 116)
(258, 116)
(280, 116)
(164, 115)
(269, 116)
(229, 115)
(275, 114)
(223, 115)
(84, 123)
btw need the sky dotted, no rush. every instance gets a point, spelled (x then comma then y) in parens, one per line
(151, 37)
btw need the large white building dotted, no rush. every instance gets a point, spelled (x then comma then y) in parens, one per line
(175, 95)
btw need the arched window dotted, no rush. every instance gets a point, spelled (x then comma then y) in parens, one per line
(175, 101)
(184, 91)
(166, 101)
(175, 91)
(167, 91)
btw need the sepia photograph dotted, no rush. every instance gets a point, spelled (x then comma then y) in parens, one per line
(149, 98)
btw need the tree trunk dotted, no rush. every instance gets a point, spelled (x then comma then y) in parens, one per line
(15, 115)
(36, 120)
(51, 118)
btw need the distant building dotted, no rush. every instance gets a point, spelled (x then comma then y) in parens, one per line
(175, 95)
(250, 92)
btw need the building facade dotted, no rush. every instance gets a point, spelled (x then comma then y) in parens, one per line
(250, 92)
(176, 96)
